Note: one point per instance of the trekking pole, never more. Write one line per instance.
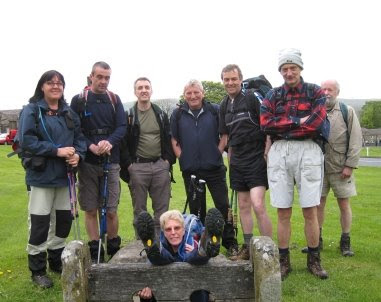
(200, 188)
(73, 202)
(103, 216)
(235, 214)
(230, 208)
(193, 178)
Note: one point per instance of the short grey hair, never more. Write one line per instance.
(194, 83)
(171, 215)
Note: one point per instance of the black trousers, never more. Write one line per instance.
(215, 180)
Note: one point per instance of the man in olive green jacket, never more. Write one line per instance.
(341, 157)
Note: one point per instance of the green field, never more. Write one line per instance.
(371, 151)
(351, 279)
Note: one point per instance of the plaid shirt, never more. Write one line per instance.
(283, 107)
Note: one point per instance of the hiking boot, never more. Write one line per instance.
(94, 246)
(345, 246)
(211, 237)
(42, 280)
(285, 265)
(54, 260)
(232, 251)
(313, 265)
(145, 227)
(113, 246)
(305, 249)
(243, 253)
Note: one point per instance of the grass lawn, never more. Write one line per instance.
(371, 151)
(350, 279)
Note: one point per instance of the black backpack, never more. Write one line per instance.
(259, 84)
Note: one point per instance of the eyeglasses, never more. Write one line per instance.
(52, 84)
(176, 229)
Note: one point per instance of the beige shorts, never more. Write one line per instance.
(342, 188)
(295, 162)
(90, 188)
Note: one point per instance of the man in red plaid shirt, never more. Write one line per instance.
(294, 115)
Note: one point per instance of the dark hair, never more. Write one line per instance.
(47, 76)
(141, 79)
(231, 67)
(100, 64)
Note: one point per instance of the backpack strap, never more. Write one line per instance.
(344, 113)
(83, 95)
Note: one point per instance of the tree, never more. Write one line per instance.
(167, 105)
(370, 117)
(214, 91)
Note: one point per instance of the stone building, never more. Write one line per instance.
(9, 120)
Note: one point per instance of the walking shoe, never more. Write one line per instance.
(211, 237)
(232, 251)
(54, 260)
(345, 246)
(305, 249)
(94, 247)
(113, 246)
(285, 265)
(145, 228)
(42, 280)
(314, 266)
(243, 253)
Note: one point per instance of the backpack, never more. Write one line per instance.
(82, 101)
(344, 112)
(193, 226)
(26, 156)
(259, 86)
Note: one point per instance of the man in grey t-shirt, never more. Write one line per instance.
(149, 154)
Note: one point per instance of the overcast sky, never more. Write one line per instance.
(171, 42)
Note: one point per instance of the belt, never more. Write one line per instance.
(98, 132)
(143, 160)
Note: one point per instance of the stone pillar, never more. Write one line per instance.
(76, 263)
(265, 258)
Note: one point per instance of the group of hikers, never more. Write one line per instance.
(297, 134)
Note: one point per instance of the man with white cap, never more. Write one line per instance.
(294, 115)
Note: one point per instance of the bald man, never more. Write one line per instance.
(341, 157)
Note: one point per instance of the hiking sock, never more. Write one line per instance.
(247, 238)
(313, 249)
(284, 251)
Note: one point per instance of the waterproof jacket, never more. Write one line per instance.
(344, 145)
(198, 137)
(101, 120)
(130, 142)
(42, 135)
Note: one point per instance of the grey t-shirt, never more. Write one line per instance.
(149, 138)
